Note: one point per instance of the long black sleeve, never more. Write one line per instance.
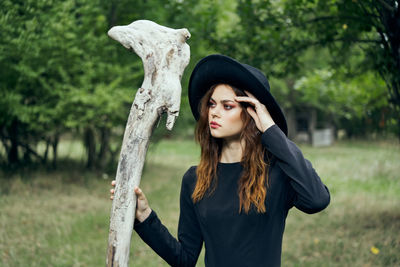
(184, 251)
(308, 193)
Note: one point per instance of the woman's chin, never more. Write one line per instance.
(216, 133)
(220, 135)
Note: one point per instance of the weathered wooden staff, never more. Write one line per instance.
(165, 54)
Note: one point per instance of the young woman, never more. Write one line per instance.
(249, 176)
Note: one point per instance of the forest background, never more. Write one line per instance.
(61, 75)
(66, 88)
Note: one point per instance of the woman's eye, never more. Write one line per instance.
(228, 107)
(211, 104)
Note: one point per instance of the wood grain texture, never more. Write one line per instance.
(165, 55)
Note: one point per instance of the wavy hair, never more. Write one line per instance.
(253, 183)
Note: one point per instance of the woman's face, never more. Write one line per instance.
(224, 113)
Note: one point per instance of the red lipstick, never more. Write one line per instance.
(214, 125)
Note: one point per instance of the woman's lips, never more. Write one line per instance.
(214, 125)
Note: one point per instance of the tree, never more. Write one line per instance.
(26, 94)
(361, 36)
(346, 26)
(58, 75)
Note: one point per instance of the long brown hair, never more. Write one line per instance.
(254, 180)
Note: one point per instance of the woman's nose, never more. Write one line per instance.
(215, 112)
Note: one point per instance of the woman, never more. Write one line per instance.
(249, 176)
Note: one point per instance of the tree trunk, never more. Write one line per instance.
(55, 146)
(312, 125)
(13, 153)
(165, 55)
(46, 152)
(291, 122)
(390, 37)
(4, 142)
(27, 156)
(104, 147)
(395, 100)
(90, 145)
(130, 166)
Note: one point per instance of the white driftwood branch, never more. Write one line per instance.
(165, 54)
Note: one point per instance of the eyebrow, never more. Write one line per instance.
(223, 101)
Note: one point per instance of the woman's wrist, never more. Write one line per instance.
(144, 215)
(267, 126)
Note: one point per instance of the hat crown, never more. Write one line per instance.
(259, 75)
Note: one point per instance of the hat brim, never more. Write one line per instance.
(216, 69)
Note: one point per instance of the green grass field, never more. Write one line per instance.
(61, 218)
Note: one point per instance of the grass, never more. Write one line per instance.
(61, 218)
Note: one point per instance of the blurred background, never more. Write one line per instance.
(66, 90)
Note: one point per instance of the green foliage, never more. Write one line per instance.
(62, 74)
(362, 36)
(320, 89)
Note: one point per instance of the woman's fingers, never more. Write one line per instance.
(246, 99)
(142, 209)
(252, 101)
(252, 113)
(259, 113)
(252, 98)
(112, 191)
(139, 193)
(250, 94)
(255, 117)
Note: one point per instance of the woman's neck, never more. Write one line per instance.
(232, 151)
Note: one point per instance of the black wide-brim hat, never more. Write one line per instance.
(215, 69)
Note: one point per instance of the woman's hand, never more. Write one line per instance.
(258, 112)
(143, 209)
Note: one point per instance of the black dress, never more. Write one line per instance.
(232, 238)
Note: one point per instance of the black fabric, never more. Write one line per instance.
(233, 239)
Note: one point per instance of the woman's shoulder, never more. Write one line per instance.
(190, 174)
(189, 178)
